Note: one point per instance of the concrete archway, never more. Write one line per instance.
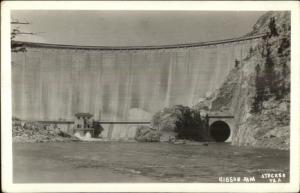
(219, 131)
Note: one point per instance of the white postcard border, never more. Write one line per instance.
(6, 110)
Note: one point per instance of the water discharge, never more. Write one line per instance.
(86, 137)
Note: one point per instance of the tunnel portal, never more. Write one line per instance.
(219, 131)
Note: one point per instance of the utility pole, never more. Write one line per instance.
(17, 47)
(16, 31)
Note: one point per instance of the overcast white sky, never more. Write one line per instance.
(123, 28)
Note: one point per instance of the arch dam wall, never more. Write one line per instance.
(52, 82)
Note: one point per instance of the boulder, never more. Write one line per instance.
(147, 134)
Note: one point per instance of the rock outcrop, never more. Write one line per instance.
(180, 122)
(265, 124)
(147, 134)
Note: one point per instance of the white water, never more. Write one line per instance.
(86, 137)
(52, 84)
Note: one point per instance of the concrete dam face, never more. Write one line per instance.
(54, 83)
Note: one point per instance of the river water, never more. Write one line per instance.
(97, 162)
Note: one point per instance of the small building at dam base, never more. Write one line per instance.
(83, 124)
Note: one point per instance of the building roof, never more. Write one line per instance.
(89, 115)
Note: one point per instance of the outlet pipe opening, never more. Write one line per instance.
(219, 131)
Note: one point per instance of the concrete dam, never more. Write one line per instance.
(53, 82)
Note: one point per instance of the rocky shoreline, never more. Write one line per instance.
(33, 132)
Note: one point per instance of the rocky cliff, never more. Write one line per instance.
(257, 91)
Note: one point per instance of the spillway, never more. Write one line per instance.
(52, 83)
